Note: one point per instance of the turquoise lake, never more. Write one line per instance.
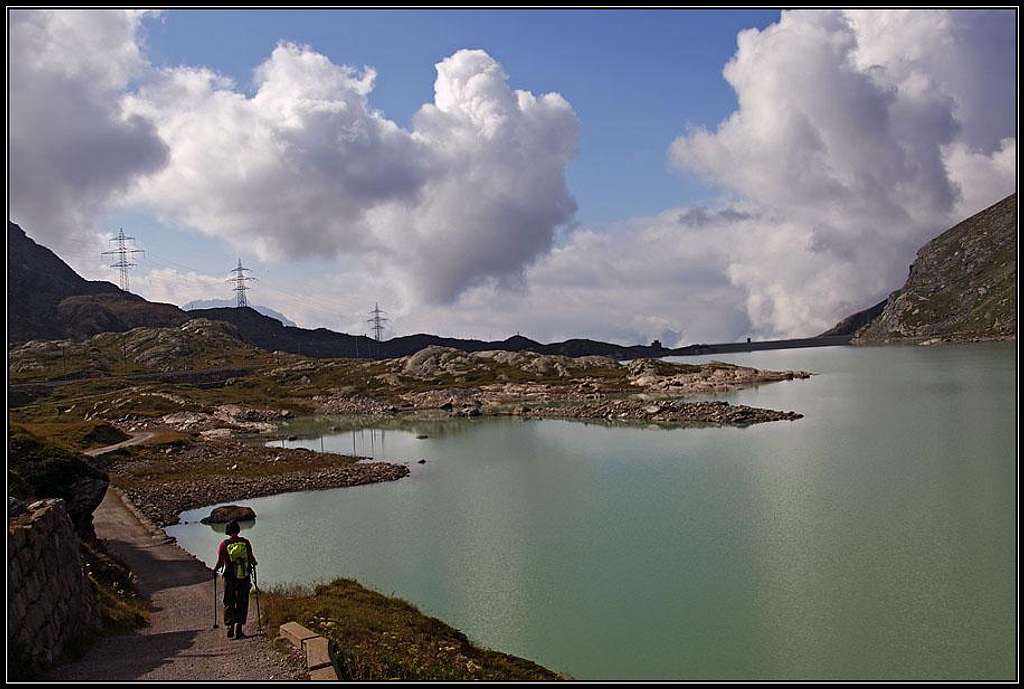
(874, 538)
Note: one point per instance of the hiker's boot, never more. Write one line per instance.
(231, 631)
(239, 634)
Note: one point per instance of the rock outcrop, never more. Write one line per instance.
(50, 601)
(961, 287)
(36, 469)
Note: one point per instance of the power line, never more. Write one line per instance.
(123, 253)
(240, 286)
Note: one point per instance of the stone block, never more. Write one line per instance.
(324, 674)
(295, 634)
(317, 655)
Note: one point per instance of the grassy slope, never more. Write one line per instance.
(72, 434)
(39, 469)
(383, 638)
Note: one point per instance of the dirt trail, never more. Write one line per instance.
(136, 439)
(179, 643)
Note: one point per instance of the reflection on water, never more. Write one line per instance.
(874, 538)
(243, 526)
(351, 436)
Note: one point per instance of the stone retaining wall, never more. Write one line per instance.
(50, 601)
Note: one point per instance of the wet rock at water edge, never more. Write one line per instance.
(229, 513)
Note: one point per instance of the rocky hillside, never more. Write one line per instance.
(961, 287)
(194, 345)
(48, 300)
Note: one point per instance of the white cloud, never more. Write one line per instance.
(661, 277)
(305, 167)
(71, 146)
(983, 178)
(172, 286)
(865, 133)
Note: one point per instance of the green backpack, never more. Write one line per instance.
(238, 556)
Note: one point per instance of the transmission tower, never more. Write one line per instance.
(377, 322)
(240, 281)
(124, 253)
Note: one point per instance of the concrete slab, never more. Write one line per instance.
(295, 634)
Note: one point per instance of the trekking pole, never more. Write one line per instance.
(256, 585)
(215, 626)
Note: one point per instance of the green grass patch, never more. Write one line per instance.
(39, 469)
(73, 434)
(377, 637)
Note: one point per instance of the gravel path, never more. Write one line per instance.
(179, 643)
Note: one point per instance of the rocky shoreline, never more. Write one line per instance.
(718, 413)
(163, 504)
(954, 339)
(163, 482)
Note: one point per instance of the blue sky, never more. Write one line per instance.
(669, 60)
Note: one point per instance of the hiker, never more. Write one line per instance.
(236, 560)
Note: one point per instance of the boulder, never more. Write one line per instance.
(229, 513)
(36, 469)
(15, 507)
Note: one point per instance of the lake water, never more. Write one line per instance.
(874, 538)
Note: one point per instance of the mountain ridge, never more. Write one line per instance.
(48, 300)
(197, 304)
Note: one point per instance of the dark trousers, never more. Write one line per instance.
(236, 600)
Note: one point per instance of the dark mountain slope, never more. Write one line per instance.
(271, 334)
(230, 303)
(851, 324)
(48, 300)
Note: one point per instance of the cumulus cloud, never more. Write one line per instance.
(72, 147)
(861, 135)
(306, 167)
(858, 136)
